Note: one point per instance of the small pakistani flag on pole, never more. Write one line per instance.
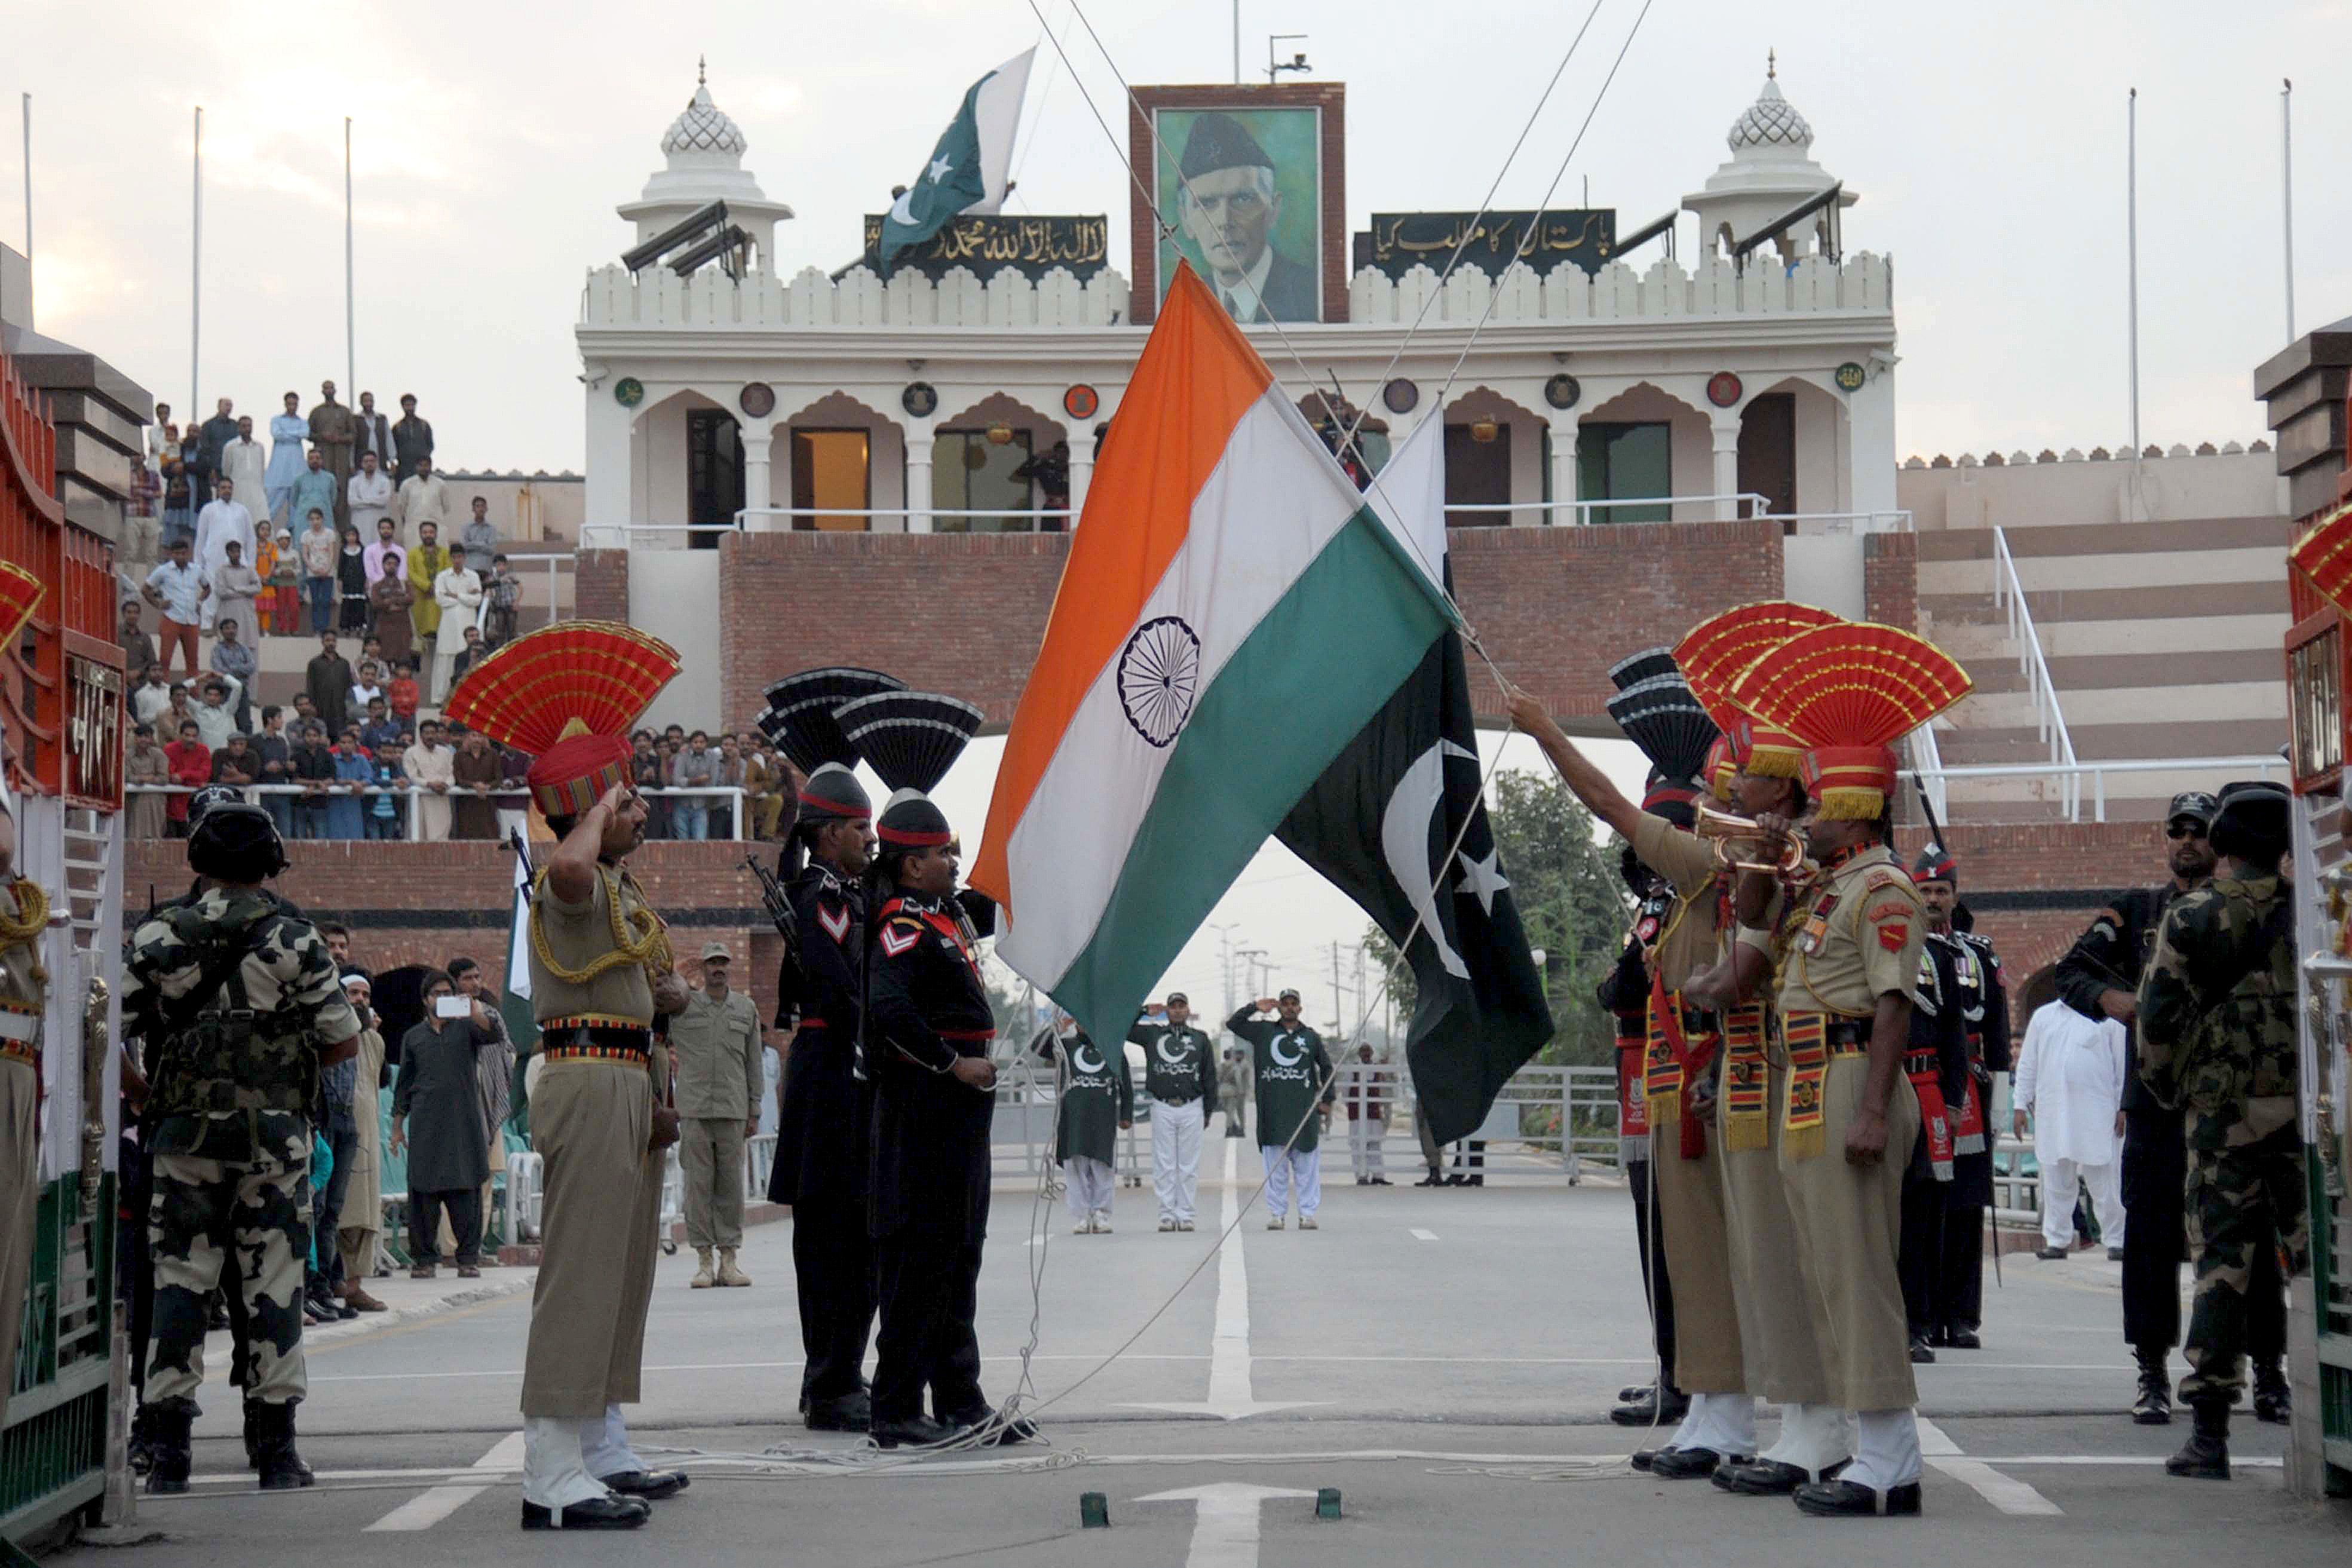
(967, 168)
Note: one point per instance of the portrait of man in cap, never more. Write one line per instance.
(1243, 187)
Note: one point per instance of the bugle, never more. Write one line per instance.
(1740, 843)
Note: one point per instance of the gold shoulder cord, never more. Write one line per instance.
(32, 918)
(649, 946)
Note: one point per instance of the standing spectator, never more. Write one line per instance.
(502, 592)
(197, 457)
(289, 580)
(287, 460)
(476, 770)
(148, 765)
(276, 755)
(338, 1129)
(404, 694)
(179, 521)
(1365, 1091)
(191, 767)
(237, 587)
(359, 1216)
(649, 772)
(385, 555)
(718, 1077)
(216, 717)
(430, 767)
(382, 729)
(177, 588)
(389, 597)
(354, 787)
(457, 598)
(152, 699)
(764, 792)
(351, 584)
(234, 657)
(369, 494)
(333, 431)
(468, 656)
(2070, 1076)
(314, 769)
(265, 571)
(426, 563)
(234, 765)
(246, 463)
(142, 529)
(389, 804)
(367, 688)
(319, 550)
(412, 439)
(218, 432)
(493, 1068)
(513, 802)
(1234, 1092)
(221, 523)
(160, 436)
(328, 683)
(726, 773)
(138, 648)
(371, 436)
(425, 496)
(480, 540)
(693, 768)
(437, 1114)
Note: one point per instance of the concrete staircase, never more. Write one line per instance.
(2163, 640)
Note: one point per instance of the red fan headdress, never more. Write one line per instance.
(1849, 692)
(567, 693)
(1718, 651)
(2323, 554)
(20, 594)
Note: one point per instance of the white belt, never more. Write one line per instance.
(19, 1026)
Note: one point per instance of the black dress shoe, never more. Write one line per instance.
(1644, 1407)
(851, 1412)
(650, 1485)
(1768, 1478)
(2051, 1254)
(1961, 1336)
(1920, 1354)
(1000, 1435)
(1643, 1458)
(1839, 1499)
(1690, 1464)
(596, 1513)
(915, 1432)
(1432, 1179)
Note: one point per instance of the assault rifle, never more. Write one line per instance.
(778, 905)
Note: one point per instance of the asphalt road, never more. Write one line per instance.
(1443, 1358)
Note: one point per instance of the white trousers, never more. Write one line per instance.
(1812, 1437)
(554, 1468)
(605, 1446)
(1365, 1155)
(2060, 1179)
(1091, 1183)
(1723, 1422)
(1176, 1157)
(1301, 1169)
(1888, 1454)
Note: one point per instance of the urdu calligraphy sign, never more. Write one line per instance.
(1399, 242)
(984, 244)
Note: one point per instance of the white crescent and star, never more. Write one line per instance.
(1169, 1058)
(1293, 1059)
(1078, 1059)
(1404, 841)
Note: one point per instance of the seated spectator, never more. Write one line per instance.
(216, 717)
(386, 807)
(354, 781)
(314, 769)
(146, 764)
(437, 1114)
(191, 767)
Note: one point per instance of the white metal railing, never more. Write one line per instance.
(1757, 506)
(2051, 719)
(733, 795)
(2262, 766)
(1897, 521)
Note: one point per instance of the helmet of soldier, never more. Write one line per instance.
(236, 842)
(209, 796)
(2251, 822)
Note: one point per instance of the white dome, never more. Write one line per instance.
(704, 128)
(1770, 121)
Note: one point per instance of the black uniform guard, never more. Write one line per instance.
(929, 1026)
(1624, 992)
(2102, 969)
(822, 1126)
(1936, 1061)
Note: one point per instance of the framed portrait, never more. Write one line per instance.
(1252, 186)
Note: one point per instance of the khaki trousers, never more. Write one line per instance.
(1849, 1225)
(1707, 1351)
(601, 1197)
(359, 1253)
(20, 1198)
(710, 1156)
(1782, 1358)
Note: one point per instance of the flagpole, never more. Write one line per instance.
(351, 307)
(197, 273)
(2131, 250)
(2286, 190)
(1237, 42)
(29, 186)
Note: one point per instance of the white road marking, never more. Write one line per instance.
(1224, 1533)
(429, 1508)
(2006, 1493)
(1230, 1395)
(1424, 1235)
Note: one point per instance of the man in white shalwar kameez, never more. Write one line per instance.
(224, 519)
(2071, 1077)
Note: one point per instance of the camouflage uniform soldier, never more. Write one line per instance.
(240, 1005)
(2217, 1036)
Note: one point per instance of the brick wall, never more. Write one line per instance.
(1890, 580)
(2035, 888)
(602, 590)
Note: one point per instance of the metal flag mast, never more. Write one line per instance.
(197, 273)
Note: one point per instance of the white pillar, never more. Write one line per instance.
(1563, 475)
(919, 442)
(606, 511)
(1082, 474)
(1870, 444)
(1725, 426)
(758, 491)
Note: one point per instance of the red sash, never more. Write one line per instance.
(1632, 1089)
(1747, 1085)
(1934, 1119)
(1675, 1062)
(1968, 1123)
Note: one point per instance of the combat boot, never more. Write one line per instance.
(703, 1277)
(2205, 1455)
(273, 1427)
(168, 1426)
(729, 1274)
(2272, 1404)
(2153, 1407)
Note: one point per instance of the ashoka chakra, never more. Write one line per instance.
(1159, 677)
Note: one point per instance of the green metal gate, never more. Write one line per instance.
(53, 1449)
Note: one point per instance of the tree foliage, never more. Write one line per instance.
(1570, 901)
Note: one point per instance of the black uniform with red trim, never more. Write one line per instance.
(1625, 993)
(1937, 1061)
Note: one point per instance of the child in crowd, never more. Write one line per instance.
(385, 806)
(403, 692)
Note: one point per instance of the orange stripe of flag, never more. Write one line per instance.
(1197, 377)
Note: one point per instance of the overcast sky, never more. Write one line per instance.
(491, 143)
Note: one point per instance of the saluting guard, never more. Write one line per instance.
(1179, 1074)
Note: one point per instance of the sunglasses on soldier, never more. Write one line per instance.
(2185, 828)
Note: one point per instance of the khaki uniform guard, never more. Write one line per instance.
(716, 1051)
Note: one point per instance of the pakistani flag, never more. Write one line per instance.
(967, 168)
(514, 997)
(1382, 825)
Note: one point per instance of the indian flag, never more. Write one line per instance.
(1232, 613)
